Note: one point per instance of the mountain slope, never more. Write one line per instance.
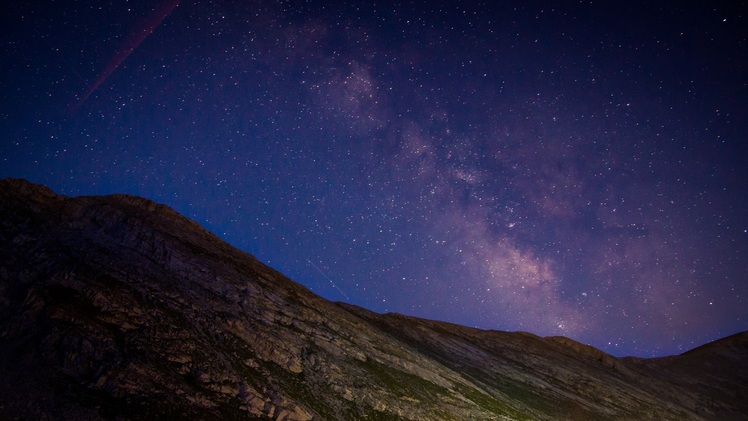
(116, 307)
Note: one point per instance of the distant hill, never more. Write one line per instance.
(119, 308)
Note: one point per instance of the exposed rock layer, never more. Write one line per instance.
(119, 308)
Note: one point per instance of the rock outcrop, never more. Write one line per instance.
(116, 307)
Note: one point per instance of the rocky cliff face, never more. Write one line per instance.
(119, 308)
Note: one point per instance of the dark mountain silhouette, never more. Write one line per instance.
(119, 308)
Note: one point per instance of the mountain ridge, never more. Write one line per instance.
(116, 307)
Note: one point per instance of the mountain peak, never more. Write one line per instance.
(22, 186)
(115, 307)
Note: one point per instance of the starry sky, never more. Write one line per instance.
(573, 168)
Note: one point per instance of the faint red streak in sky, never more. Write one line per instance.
(147, 26)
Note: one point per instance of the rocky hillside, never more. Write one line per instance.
(119, 308)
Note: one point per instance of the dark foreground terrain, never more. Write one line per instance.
(116, 307)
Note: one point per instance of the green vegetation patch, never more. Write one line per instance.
(489, 403)
(404, 384)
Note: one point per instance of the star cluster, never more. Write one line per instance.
(573, 168)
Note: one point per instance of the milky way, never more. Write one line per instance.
(575, 170)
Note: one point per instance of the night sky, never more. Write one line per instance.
(563, 168)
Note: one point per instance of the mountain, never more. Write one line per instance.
(116, 307)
